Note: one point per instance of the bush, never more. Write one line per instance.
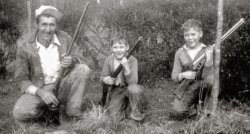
(159, 23)
(9, 33)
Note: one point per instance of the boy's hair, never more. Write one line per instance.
(191, 23)
(118, 38)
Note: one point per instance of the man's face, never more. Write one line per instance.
(46, 28)
(192, 37)
(119, 50)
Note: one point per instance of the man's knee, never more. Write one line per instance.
(26, 108)
(23, 114)
(135, 88)
(83, 69)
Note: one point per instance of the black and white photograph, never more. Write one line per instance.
(124, 67)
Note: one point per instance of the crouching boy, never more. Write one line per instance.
(195, 86)
(126, 94)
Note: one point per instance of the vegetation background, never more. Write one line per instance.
(159, 22)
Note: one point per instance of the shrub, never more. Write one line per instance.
(159, 23)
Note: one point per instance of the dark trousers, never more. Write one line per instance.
(126, 100)
(188, 104)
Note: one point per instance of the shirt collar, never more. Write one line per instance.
(55, 40)
(185, 46)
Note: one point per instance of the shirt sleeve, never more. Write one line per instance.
(22, 72)
(105, 70)
(31, 89)
(177, 68)
(132, 78)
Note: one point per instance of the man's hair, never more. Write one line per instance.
(44, 15)
(118, 38)
(192, 23)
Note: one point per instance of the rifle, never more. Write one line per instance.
(108, 88)
(52, 109)
(198, 64)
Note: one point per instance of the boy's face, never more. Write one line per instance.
(192, 37)
(119, 50)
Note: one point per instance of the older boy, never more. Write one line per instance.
(183, 69)
(40, 57)
(126, 91)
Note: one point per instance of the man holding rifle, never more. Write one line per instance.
(40, 57)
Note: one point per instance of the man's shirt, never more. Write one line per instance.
(49, 58)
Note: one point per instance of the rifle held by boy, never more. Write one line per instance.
(199, 63)
(108, 88)
(53, 110)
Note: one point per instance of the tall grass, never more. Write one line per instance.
(95, 121)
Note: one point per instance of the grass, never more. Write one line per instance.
(229, 118)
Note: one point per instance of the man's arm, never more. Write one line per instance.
(22, 70)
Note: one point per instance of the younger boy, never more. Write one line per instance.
(126, 93)
(185, 103)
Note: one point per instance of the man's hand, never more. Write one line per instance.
(125, 65)
(188, 75)
(66, 61)
(109, 80)
(47, 96)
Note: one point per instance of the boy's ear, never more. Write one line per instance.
(201, 34)
(127, 47)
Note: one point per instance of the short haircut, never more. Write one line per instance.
(118, 38)
(192, 23)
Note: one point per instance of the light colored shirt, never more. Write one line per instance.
(193, 52)
(49, 58)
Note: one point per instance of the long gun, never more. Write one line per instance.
(108, 88)
(199, 63)
(53, 110)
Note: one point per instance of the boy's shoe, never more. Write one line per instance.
(137, 117)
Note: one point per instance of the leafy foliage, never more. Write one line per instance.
(9, 33)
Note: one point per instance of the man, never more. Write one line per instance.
(40, 57)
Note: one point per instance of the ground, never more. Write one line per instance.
(230, 118)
